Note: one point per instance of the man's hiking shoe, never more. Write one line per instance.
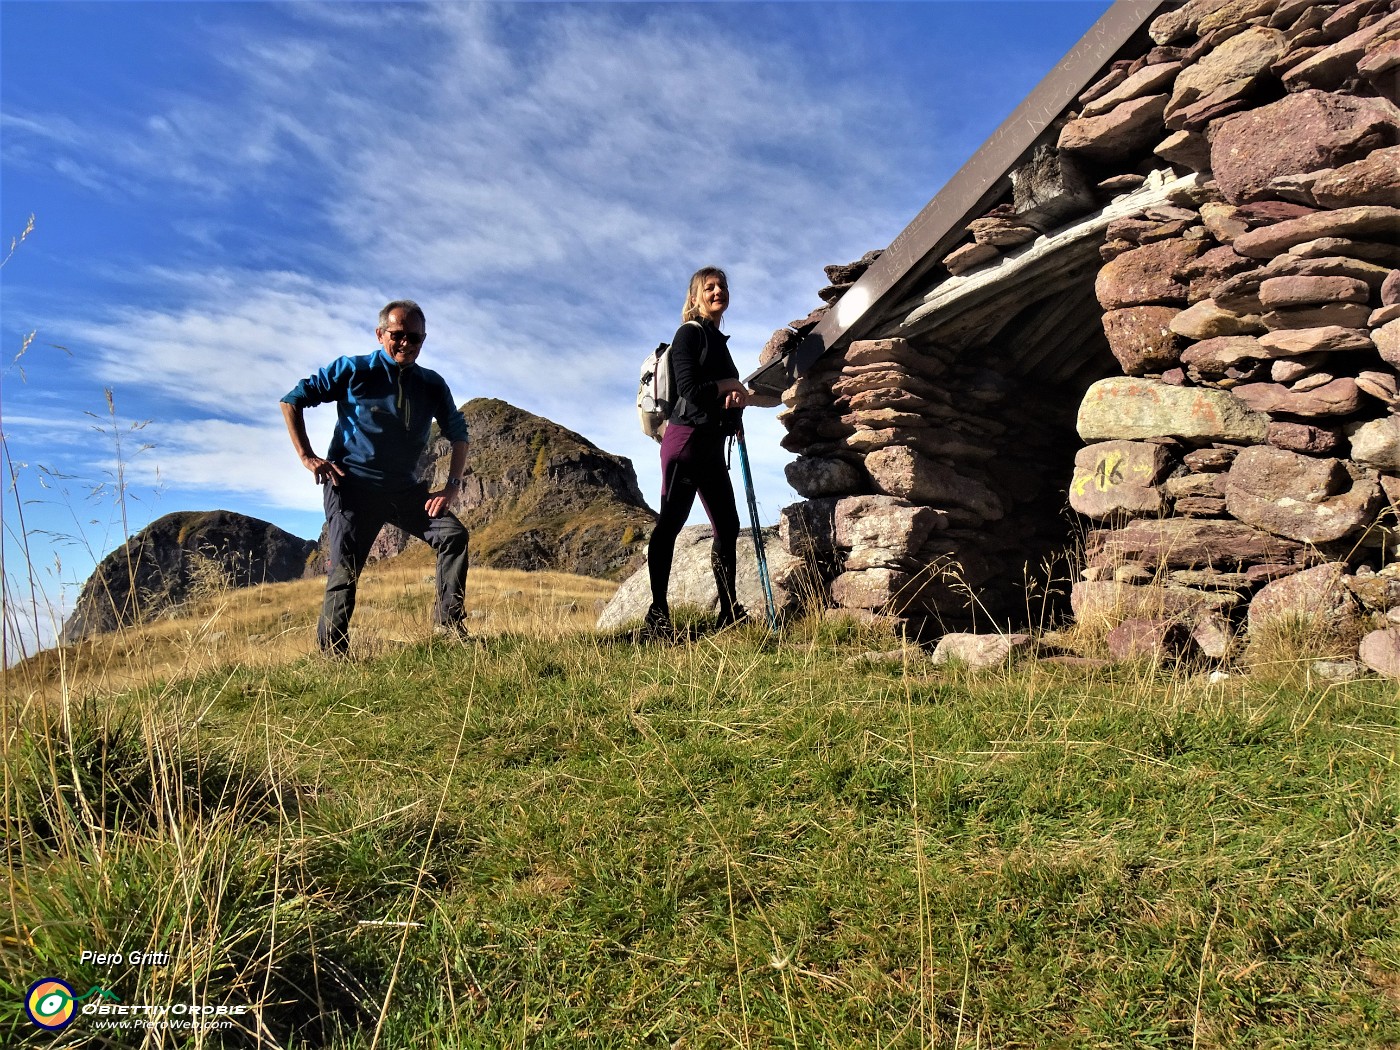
(453, 632)
(729, 617)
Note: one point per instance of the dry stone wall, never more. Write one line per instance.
(1238, 174)
(926, 496)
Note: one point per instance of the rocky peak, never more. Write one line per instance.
(540, 497)
(179, 558)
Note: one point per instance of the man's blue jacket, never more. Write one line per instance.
(384, 414)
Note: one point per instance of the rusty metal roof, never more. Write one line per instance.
(940, 225)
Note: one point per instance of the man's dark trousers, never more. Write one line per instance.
(355, 512)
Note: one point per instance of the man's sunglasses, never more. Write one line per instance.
(398, 335)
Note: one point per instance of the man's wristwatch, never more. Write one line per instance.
(454, 483)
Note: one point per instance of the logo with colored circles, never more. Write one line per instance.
(50, 1003)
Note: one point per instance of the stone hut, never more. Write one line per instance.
(1155, 319)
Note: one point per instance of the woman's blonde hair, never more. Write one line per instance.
(692, 311)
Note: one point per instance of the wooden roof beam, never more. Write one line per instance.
(936, 228)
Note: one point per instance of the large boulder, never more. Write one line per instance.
(896, 351)
(693, 580)
(1224, 78)
(1149, 80)
(979, 652)
(1108, 602)
(1336, 397)
(1181, 23)
(1297, 290)
(891, 375)
(1339, 62)
(1153, 273)
(182, 557)
(1368, 223)
(1304, 437)
(1378, 592)
(1141, 338)
(1390, 288)
(1128, 128)
(1148, 639)
(1215, 356)
(849, 273)
(880, 589)
(1219, 21)
(1208, 320)
(1185, 543)
(1330, 266)
(899, 470)
(1374, 179)
(883, 530)
(1330, 339)
(816, 476)
(1377, 444)
(1380, 651)
(1343, 315)
(1387, 340)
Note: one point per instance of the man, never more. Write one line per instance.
(385, 403)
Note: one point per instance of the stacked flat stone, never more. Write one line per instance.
(916, 493)
(843, 275)
(1252, 308)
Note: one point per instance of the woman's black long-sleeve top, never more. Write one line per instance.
(699, 360)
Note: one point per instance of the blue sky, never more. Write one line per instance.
(225, 193)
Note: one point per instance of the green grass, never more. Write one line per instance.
(725, 843)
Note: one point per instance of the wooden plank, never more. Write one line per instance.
(1064, 248)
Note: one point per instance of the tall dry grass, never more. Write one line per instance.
(273, 624)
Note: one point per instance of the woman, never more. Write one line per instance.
(709, 401)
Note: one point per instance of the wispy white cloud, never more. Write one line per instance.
(246, 459)
(51, 128)
(61, 428)
(542, 178)
(239, 344)
(609, 144)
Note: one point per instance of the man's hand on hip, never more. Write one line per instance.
(323, 470)
(439, 501)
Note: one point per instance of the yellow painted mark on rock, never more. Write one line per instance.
(1111, 471)
(1106, 474)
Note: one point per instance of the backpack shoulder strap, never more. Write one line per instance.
(704, 339)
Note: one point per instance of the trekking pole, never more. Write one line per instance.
(769, 605)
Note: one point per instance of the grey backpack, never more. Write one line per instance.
(656, 390)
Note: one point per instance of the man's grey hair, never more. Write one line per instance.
(408, 306)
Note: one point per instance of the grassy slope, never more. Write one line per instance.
(273, 624)
(736, 843)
